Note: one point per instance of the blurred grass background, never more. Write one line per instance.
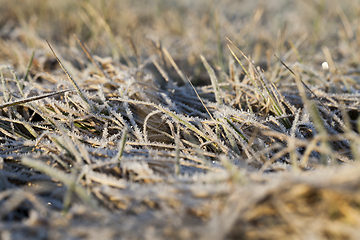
(188, 28)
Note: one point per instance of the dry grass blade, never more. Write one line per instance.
(121, 145)
(177, 154)
(29, 66)
(3, 84)
(84, 98)
(202, 102)
(88, 54)
(62, 177)
(106, 180)
(175, 66)
(299, 78)
(18, 84)
(214, 80)
(134, 48)
(31, 99)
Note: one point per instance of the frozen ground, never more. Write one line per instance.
(175, 120)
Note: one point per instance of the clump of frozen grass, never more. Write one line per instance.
(173, 121)
(124, 128)
(245, 137)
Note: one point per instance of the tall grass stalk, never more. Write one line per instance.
(121, 145)
(79, 91)
(214, 80)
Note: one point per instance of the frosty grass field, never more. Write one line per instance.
(179, 119)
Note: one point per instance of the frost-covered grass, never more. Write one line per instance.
(179, 120)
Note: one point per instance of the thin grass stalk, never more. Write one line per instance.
(303, 83)
(293, 47)
(247, 73)
(5, 92)
(101, 22)
(69, 191)
(293, 155)
(134, 48)
(18, 84)
(177, 153)
(231, 140)
(81, 94)
(7, 131)
(29, 66)
(31, 99)
(202, 102)
(90, 57)
(237, 130)
(175, 66)
(121, 145)
(26, 125)
(214, 81)
(218, 40)
(66, 179)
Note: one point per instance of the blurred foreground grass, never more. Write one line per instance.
(159, 127)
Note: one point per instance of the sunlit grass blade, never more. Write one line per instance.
(29, 66)
(90, 57)
(175, 66)
(31, 99)
(121, 145)
(4, 89)
(81, 94)
(214, 80)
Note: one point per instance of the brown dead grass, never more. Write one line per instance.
(56, 182)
